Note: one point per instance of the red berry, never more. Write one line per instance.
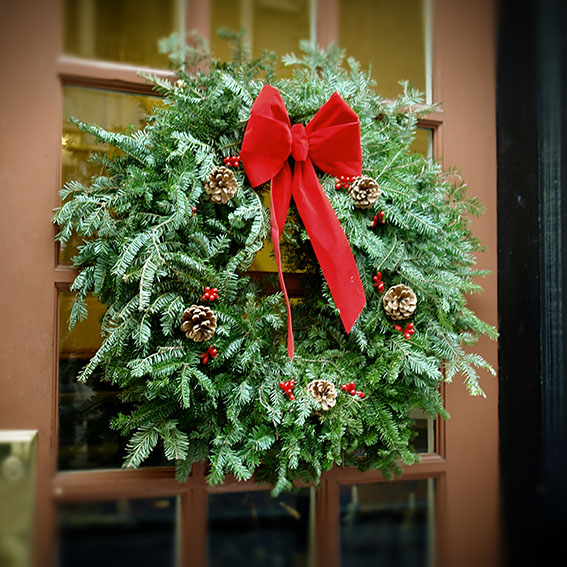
(407, 335)
(361, 395)
(379, 275)
(381, 287)
(409, 326)
(204, 358)
(344, 387)
(291, 397)
(398, 328)
(347, 185)
(338, 185)
(342, 177)
(373, 224)
(282, 385)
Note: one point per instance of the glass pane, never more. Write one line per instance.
(253, 529)
(111, 110)
(424, 426)
(86, 440)
(117, 533)
(390, 36)
(387, 524)
(120, 30)
(275, 25)
(423, 142)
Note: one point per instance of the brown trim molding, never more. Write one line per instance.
(113, 76)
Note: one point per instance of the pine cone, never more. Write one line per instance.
(400, 302)
(198, 323)
(323, 392)
(222, 185)
(365, 192)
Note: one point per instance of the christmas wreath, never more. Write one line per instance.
(376, 234)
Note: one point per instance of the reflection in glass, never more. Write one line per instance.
(423, 142)
(253, 529)
(387, 524)
(113, 111)
(424, 426)
(125, 31)
(275, 25)
(86, 440)
(117, 533)
(391, 37)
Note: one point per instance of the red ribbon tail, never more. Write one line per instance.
(280, 195)
(330, 243)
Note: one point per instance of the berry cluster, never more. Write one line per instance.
(378, 283)
(379, 218)
(231, 161)
(287, 387)
(408, 331)
(344, 181)
(210, 294)
(211, 352)
(351, 389)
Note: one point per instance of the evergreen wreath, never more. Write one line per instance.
(196, 345)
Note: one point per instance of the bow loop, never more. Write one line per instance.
(331, 141)
(334, 138)
(268, 116)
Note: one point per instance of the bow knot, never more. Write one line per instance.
(331, 141)
(299, 143)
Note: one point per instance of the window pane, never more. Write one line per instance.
(276, 25)
(253, 529)
(387, 524)
(388, 35)
(111, 110)
(117, 533)
(86, 440)
(120, 30)
(423, 142)
(424, 441)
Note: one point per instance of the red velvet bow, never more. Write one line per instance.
(331, 141)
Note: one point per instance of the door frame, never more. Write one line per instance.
(465, 465)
